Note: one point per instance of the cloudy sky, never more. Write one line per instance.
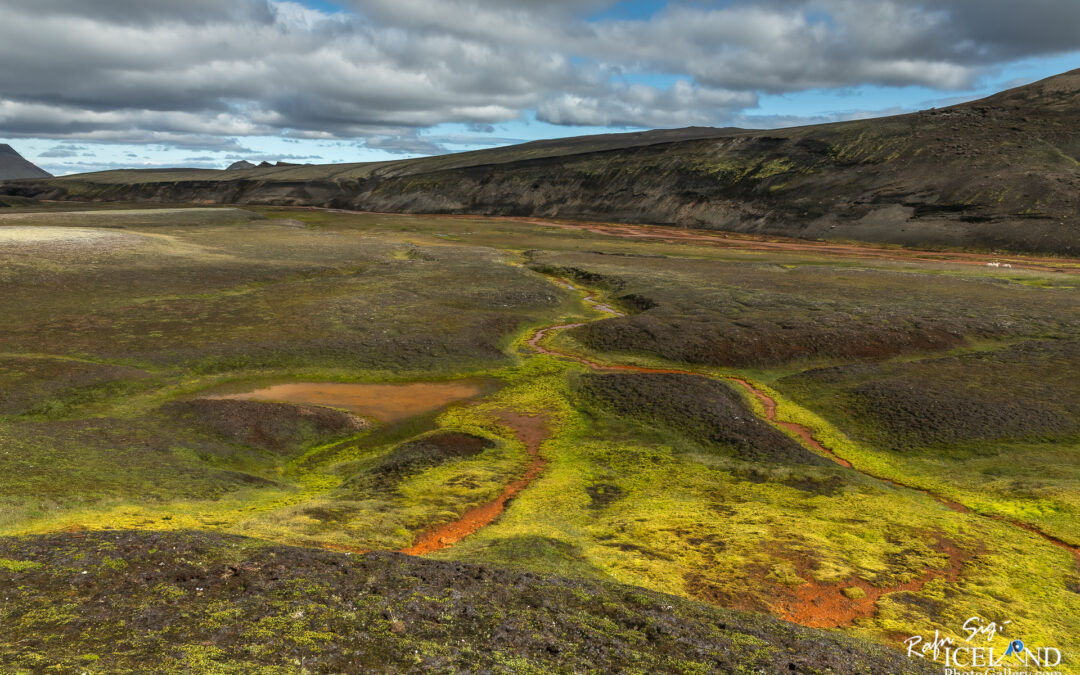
(89, 85)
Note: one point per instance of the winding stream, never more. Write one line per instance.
(817, 605)
(531, 430)
(769, 404)
(812, 604)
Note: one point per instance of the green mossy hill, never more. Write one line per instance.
(122, 602)
(414, 456)
(704, 409)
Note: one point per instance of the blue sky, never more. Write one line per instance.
(147, 83)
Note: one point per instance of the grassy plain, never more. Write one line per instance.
(954, 379)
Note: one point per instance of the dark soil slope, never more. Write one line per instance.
(421, 453)
(705, 409)
(1018, 393)
(272, 426)
(121, 602)
(14, 166)
(1003, 172)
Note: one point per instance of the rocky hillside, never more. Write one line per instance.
(1003, 172)
(14, 166)
(121, 602)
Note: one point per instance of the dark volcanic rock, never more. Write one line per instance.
(241, 165)
(200, 602)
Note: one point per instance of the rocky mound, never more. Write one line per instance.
(1018, 392)
(272, 426)
(198, 602)
(704, 409)
(240, 166)
(14, 166)
(419, 454)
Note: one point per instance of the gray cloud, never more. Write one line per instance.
(66, 168)
(150, 12)
(270, 158)
(404, 144)
(681, 105)
(201, 73)
(63, 151)
(982, 30)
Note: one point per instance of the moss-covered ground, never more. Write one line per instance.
(183, 602)
(953, 379)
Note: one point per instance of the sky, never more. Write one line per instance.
(107, 84)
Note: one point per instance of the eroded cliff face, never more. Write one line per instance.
(999, 173)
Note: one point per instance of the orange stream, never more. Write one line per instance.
(804, 433)
(811, 604)
(531, 430)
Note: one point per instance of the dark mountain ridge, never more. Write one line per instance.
(999, 173)
(14, 166)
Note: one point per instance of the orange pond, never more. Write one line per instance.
(383, 402)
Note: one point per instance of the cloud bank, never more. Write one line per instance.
(201, 74)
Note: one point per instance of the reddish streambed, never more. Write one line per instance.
(804, 433)
(818, 605)
(814, 604)
(678, 235)
(395, 402)
(530, 430)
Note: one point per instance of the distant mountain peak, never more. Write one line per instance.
(14, 166)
